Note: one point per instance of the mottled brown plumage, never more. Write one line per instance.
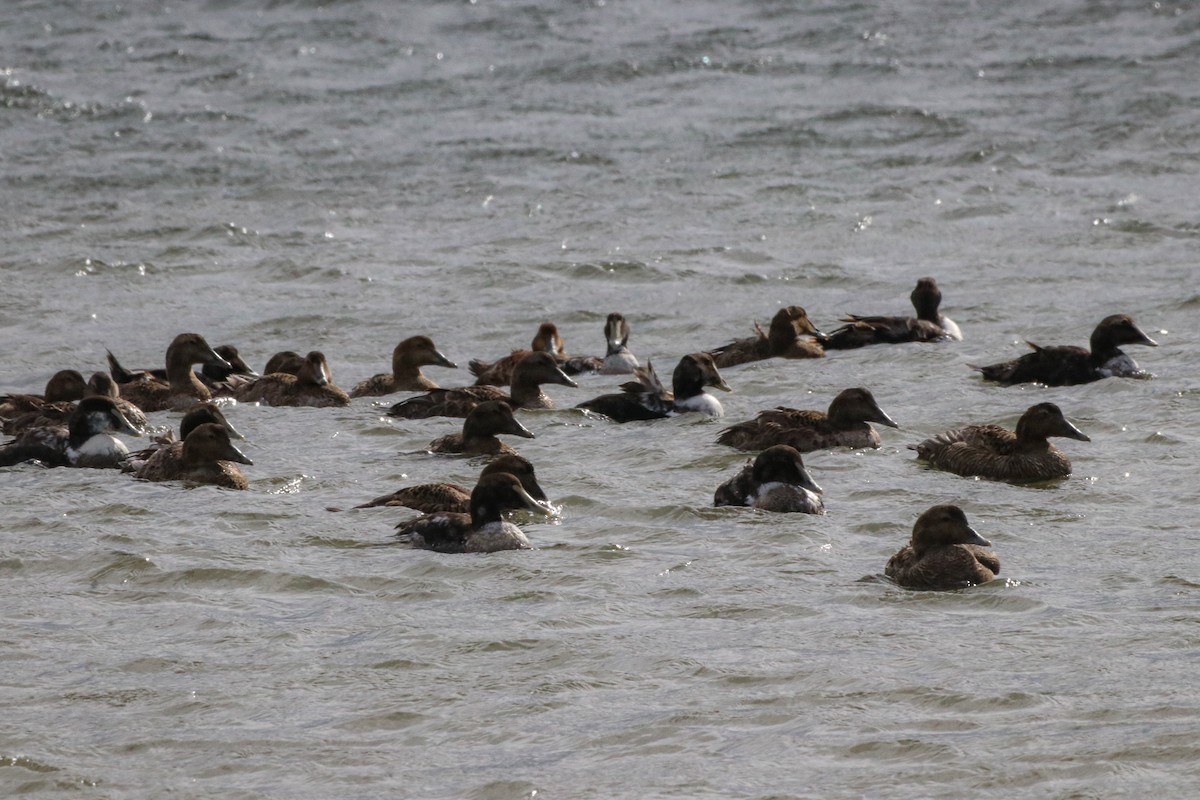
(430, 498)
(533, 370)
(500, 372)
(945, 552)
(990, 451)
(19, 412)
(782, 340)
(196, 416)
(310, 387)
(82, 441)
(182, 388)
(479, 431)
(206, 456)
(407, 359)
(845, 424)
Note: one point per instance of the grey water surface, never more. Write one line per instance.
(341, 175)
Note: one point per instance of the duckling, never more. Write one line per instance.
(430, 498)
(781, 341)
(407, 359)
(775, 481)
(83, 442)
(530, 373)
(205, 456)
(945, 553)
(500, 372)
(195, 417)
(646, 398)
(479, 431)
(618, 360)
(845, 424)
(990, 451)
(482, 530)
(312, 386)
(928, 326)
(182, 388)
(1067, 365)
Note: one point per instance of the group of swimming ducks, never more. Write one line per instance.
(73, 423)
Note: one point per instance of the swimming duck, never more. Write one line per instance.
(500, 372)
(781, 341)
(288, 361)
(64, 386)
(211, 374)
(430, 498)
(21, 411)
(182, 388)
(204, 456)
(845, 424)
(195, 417)
(312, 386)
(57, 413)
(646, 398)
(102, 383)
(407, 359)
(237, 372)
(990, 451)
(83, 442)
(480, 531)
(618, 360)
(928, 326)
(479, 431)
(775, 481)
(530, 373)
(945, 553)
(1067, 365)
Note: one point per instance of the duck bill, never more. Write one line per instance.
(233, 454)
(214, 358)
(717, 382)
(565, 380)
(1069, 431)
(972, 537)
(517, 429)
(125, 426)
(807, 482)
(882, 418)
(233, 432)
(530, 503)
(1146, 340)
(442, 361)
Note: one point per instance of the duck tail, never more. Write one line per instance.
(119, 373)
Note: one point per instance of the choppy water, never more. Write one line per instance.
(340, 176)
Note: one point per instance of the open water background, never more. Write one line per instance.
(339, 176)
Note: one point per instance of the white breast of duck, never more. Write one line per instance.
(1121, 366)
(100, 450)
(704, 403)
(495, 536)
(780, 496)
(694, 372)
